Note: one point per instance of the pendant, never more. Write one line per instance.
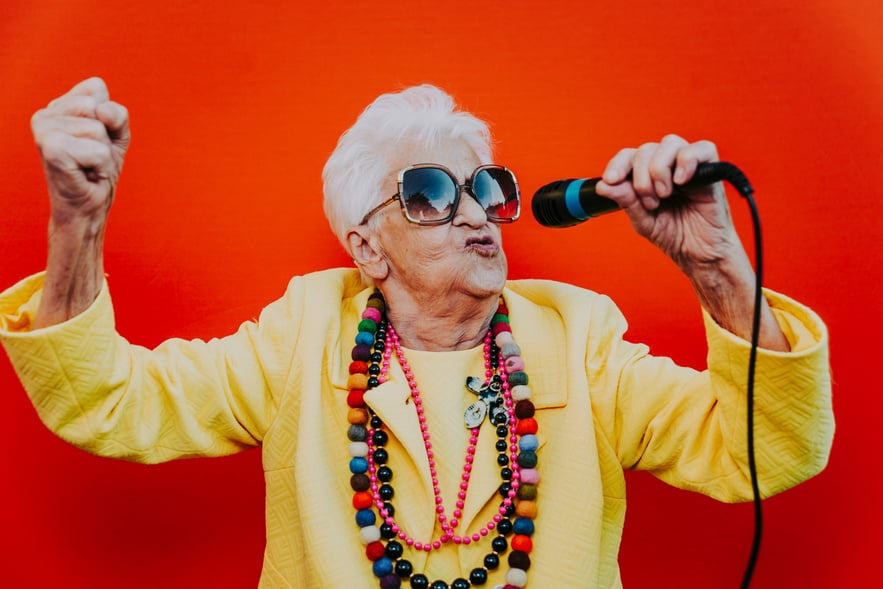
(489, 403)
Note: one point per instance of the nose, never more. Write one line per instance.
(469, 211)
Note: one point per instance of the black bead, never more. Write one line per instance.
(506, 474)
(388, 507)
(380, 345)
(374, 370)
(419, 582)
(479, 576)
(384, 474)
(504, 489)
(381, 456)
(501, 445)
(376, 357)
(404, 568)
(502, 459)
(380, 438)
(505, 527)
(373, 382)
(499, 544)
(509, 510)
(376, 422)
(491, 561)
(519, 560)
(501, 418)
(438, 585)
(460, 584)
(502, 431)
(386, 532)
(386, 492)
(394, 550)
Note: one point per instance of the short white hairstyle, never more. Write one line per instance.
(422, 116)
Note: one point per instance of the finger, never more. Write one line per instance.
(94, 87)
(75, 126)
(641, 178)
(691, 156)
(68, 154)
(661, 162)
(77, 105)
(619, 167)
(115, 118)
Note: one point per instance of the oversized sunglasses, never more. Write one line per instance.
(429, 194)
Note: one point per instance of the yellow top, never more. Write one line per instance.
(604, 405)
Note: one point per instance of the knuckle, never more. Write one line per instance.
(672, 138)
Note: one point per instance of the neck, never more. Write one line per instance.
(454, 322)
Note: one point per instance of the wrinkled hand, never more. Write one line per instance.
(82, 137)
(693, 228)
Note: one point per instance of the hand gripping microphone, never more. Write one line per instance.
(565, 203)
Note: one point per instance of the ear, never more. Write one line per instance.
(367, 253)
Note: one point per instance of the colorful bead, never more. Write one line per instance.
(523, 525)
(509, 349)
(515, 364)
(526, 426)
(516, 577)
(518, 378)
(357, 416)
(521, 392)
(373, 314)
(526, 509)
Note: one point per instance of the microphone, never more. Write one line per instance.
(565, 203)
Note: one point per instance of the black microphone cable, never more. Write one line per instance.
(732, 174)
(744, 188)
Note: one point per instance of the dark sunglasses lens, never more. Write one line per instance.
(497, 191)
(428, 194)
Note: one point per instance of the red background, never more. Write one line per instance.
(235, 107)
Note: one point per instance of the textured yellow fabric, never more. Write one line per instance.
(604, 404)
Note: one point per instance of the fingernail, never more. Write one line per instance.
(661, 188)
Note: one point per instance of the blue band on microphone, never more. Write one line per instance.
(571, 199)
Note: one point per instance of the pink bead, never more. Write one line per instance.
(372, 313)
(530, 476)
(514, 364)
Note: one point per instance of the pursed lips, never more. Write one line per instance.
(483, 244)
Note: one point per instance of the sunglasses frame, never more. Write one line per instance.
(467, 186)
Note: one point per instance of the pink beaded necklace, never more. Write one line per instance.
(504, 396)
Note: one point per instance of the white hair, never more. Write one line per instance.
(422, 116)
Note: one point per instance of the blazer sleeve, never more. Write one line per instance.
(689, 427)
(182, 399)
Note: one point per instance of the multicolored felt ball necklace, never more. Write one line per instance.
(504, 397)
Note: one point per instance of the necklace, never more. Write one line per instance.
(504, 396)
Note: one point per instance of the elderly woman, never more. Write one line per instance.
(424, 422)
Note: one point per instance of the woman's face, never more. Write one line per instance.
(464, 256)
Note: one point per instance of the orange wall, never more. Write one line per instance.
(236, 105)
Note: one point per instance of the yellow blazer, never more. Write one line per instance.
(604, 405)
